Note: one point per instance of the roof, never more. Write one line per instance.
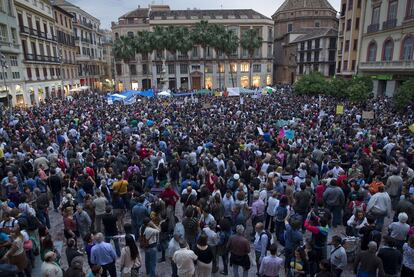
(311, 33)
(201, 14)
(290, 5)
(139, 12)
(62, 10)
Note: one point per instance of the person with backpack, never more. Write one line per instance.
(338, 256)
(148, 241)
(281, 212)
(369, 233)
(261, 243)
(379, 205)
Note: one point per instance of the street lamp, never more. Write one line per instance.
(4, 66)
(61, 72)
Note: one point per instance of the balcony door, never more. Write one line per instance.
(20, 18)
(34, 50)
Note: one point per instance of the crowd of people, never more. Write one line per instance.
(275, 185)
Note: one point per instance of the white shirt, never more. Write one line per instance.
(272, 204)
(151, 234)
(339, 258)
(184, 259)
(380, 202)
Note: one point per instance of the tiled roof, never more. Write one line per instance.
(140, 13)
(212, 14)
(311, 33)
(290, 5)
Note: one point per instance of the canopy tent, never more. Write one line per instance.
(164, 93)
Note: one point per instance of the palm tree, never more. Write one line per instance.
(184, 42)
(173, 33)
(231, 43)
(160, 42)
(250, 40)
(143, 46)
(218, 44)
(202, 35)
(124, 49)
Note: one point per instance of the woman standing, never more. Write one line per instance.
(408, 258)
(16, 254)
(272, 204)
(130, 259)
(298, 266)
(205, 257)
(70, 229)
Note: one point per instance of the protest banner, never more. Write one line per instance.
(339, 109)
(411, 127)
(368, 114)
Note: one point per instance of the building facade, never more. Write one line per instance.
(295, 18)
(187, 70)
(108, 81)
(316, 52)
(387, 44)
(349, 37)
(10, 47)
(67, 51)
(88, 41)
(40, 49)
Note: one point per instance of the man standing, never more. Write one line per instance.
(111, 230)
(239, 248)
(394, 186)
(271, 265)
(139, 212)
(391, 257)
(150, 232)
(83, 222)
(380, 206)
(184, 259)
(100, 204)
(302, 202)
(334, 198)
(367, 263)
(55, 185)
(103, 254)
(338, 257)
(260, 244)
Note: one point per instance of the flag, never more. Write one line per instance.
(411, 127)
(281, 133)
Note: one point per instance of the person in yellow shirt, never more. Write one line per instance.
(121, 187)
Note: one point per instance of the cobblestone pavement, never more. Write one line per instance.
(164, 268)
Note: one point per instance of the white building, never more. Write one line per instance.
(10, 47)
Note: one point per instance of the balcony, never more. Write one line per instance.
(37, 33)
(389, 24)
(85, 40)
(83, 23)
(42, 58)
(387, 65)
(341, 33)
(373, 28)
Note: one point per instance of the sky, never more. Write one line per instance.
(110, 10)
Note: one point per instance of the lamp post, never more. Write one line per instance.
(61, 73)
(4, 66)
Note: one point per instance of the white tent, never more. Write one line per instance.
(84, 87)
(164, 93)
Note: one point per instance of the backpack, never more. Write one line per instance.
(281, 213)
(143, 241)
(269, 238)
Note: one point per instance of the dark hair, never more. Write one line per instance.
(389, 241)
(302, 186)
(128, 228)
(71, 243)
(202, 240)
(133, 249)
(95, 269)
(273, 249)
(370, 219)
(323, 221)
(325, 265)
(146, 221)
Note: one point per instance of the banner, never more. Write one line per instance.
(233, 91)
(368, 114)
(411, 127)
(339, 109)
(290, 134)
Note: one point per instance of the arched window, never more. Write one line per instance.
(372, 52)
(407, 48)
(387, 50)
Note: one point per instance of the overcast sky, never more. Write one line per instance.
(110, 10)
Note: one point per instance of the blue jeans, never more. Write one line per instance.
(43, 217)
(150, 261)
(379, 224)
(116, 244)
(236, 271)
(336, 215)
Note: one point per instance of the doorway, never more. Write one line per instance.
(196, 82)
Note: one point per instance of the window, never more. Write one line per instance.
(159, 68)
(195, 67)
(301, 69)
(244, 67)
(350, 5)
(3, 77)
(387, 50)
(345, 65)
(208, 68)
(221, 68)
(269, 67)
(372, 52)
(316, 56)
(171, 69)
(357, 23)
(317, 43)
(3, 33)
(1, 6)
(309, 44)
(348, 24)
(309, 57)
(375, 15)
(302, 46)
(133, 69)
(353, 65)
(289, 27)
(130, 34)
(407, 48)
(302, 57)
(183, 69)
(257, 68)
(359, 4)
(195, 52)
(346, 45)
(315, 67)
(14, 35)
(233, 67)
(392, 9)
(52, 71)
(13, 61)
(37, 71)
(45, 72)
(118, 69)
(355, 46)
(410, 9)
(16, 75)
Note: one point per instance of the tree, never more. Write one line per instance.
(231, 43)
(250, 40)
(360, 89)
(337, 87)
(143, 46)
(218, 44)
(124, 49)
(184, 42)
(312, 84)
(202, 35)
(404, 96)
